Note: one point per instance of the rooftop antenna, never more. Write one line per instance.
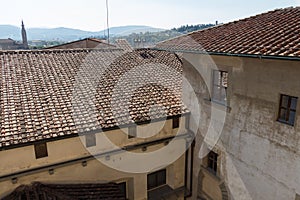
(104, 32)
(107, 16)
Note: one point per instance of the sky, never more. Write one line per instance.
(90, 15)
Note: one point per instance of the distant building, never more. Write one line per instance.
(90, 43)
(124, 44)
(94, 43)
(10, 44)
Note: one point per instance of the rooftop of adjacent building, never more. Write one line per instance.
(43, 191)
(46, 94)
(84, 43)
(275, 33)
(124, 44)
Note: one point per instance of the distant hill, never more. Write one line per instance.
(68, 34)
(8, 31)
(190, 28)
(150, 39)
(127, 30)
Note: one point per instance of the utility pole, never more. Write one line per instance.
(107, 16)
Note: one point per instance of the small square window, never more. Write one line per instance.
(40, 150)
(287, 109)
(90, 140)
(176, 122)
(219, 88)
(212, 162)
(132, 132)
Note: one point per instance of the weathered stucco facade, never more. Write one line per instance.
(70, 161)
(258, 155)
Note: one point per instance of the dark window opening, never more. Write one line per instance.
(90, 140)
(220, 84)
(40, 150)
(123, 188)
(212, 163)
(287, 109)
(176, 122)
(132, 132)
(147, 55)
(156, 179)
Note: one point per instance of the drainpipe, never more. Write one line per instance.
(190, 150)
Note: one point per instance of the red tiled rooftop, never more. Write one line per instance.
(124, 44)
(52, 93)
(84, 43)
(275, 33)
(40, 191)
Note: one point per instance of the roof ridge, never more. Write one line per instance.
(243, 19)
(231, 22)
(257, 30)
(58, 50)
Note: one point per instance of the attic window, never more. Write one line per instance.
(175, 122)
(90, 140)
(132, 132)
(40, 150)
(147, 55)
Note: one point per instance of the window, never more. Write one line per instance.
(132, 133)
(219, 89)
(212, 163)
(156, 179)
(147, 55)
(287, 109)
(176, 122)
(123, 189)
(90, 140)
(40, 150)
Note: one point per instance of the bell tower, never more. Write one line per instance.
(24, 37)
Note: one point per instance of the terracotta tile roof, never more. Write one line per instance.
(275, 33)
(124, 44)
(84, 43)
(52, 93)
(40, 191)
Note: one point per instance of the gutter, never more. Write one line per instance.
(260, 56)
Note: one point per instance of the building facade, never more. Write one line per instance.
(248, 71)
(101, 118)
